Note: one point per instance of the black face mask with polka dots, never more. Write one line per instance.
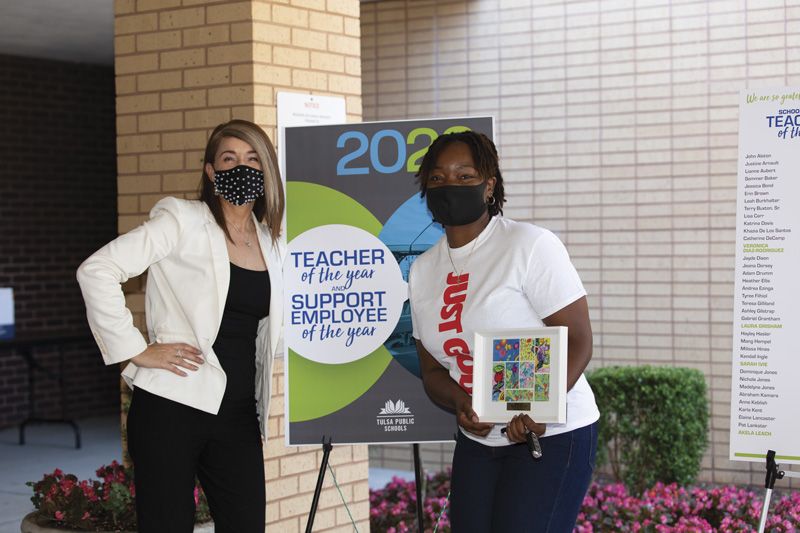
(239, 185)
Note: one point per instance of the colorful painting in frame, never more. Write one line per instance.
(520, 371)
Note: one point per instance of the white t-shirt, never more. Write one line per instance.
(514, 275)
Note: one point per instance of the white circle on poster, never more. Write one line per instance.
(344, 294)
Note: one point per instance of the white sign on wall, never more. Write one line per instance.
(301, 109)
(766, 338)
(6, 313)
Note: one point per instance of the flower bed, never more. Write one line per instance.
(393, 508)
(107, 504)
(609, 508)
(670, 508)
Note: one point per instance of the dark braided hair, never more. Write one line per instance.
(484, 154)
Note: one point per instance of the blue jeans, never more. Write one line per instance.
(500, 489)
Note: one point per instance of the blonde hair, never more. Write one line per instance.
(268, 208)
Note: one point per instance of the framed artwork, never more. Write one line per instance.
(520, 371)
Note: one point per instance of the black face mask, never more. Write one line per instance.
(456, 205)
(239, 185)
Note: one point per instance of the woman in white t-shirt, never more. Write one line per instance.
(489, 272)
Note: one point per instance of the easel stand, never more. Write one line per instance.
(773, 474)
(327, 446)
(326, 452)
(418, 477)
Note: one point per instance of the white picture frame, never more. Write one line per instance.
(534, 374)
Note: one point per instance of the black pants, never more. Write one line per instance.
(171, 443)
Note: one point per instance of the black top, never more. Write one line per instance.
(247, 303)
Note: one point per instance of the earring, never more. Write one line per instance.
(491, 201)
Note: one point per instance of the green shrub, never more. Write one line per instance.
(653, 423)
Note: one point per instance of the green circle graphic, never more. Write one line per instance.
(333, 386)
(310, 205)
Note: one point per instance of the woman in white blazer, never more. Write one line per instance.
(214, 316)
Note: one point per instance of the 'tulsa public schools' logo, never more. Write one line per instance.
(395, 416)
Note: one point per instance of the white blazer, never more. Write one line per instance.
(187, 285)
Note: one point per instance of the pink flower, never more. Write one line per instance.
(66, 485)
(59, 515)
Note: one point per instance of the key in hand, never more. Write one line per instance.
(533, 444)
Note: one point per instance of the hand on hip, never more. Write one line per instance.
(170, 356)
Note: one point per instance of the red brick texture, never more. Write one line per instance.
(57, 205)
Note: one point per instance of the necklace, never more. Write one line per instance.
(466, 263)
(244, 236)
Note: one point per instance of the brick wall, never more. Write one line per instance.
(617, 129)
(182, 68)
(57, 206)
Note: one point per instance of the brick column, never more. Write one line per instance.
(184, 66)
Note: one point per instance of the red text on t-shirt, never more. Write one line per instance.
(455, 294)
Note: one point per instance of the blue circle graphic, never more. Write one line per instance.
(408, 232)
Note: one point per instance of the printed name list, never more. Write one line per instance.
(767, 258)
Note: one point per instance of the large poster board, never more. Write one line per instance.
(766, 337)
(355, 223)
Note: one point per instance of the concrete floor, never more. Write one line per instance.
(51, 446)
